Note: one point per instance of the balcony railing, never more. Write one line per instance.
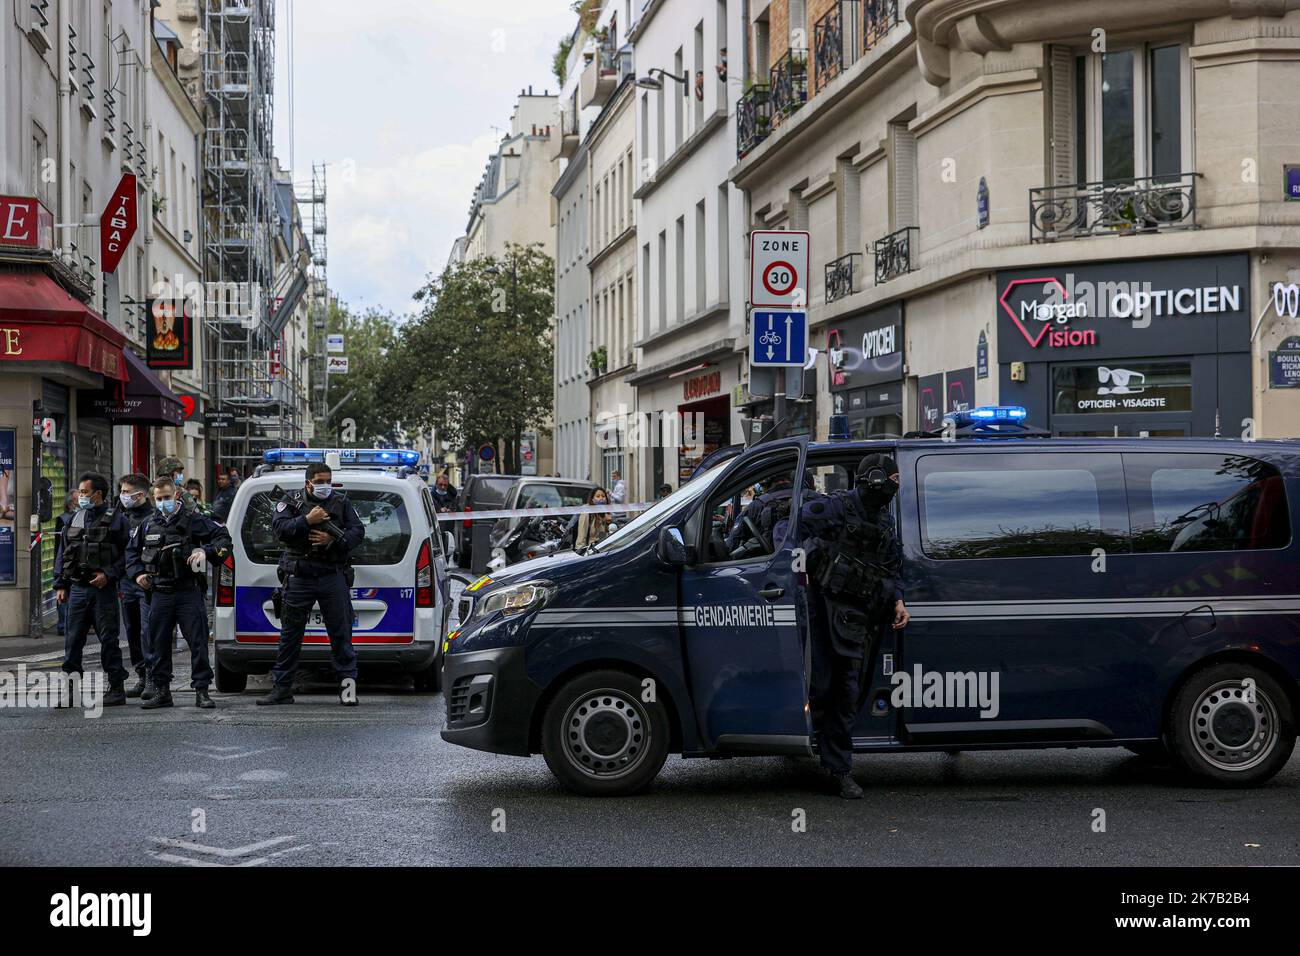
(1112, 207)
(753, 118)
(841, 277)
(835, 47)
(894, 253)
(878, 18)
(789, 83)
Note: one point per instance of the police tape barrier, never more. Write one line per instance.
(544, 512)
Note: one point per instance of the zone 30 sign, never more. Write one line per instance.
(778, 269)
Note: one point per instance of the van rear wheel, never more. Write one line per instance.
(1232, 724)
(230, 681)
(601, 739)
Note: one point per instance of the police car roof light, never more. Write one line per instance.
(347, 457)
(988, 413)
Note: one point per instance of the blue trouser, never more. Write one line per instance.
(87, 605)
(135, 619)
(183, 606)
(837, 631)
(300, 594)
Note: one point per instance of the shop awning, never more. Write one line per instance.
(41, 322)
(145, 399)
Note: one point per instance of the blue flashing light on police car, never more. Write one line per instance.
(991, 413)
(382, 457)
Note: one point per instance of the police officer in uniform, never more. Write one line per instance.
(769, 512)
(319, 529)
(86, 571)
(168, 557)
(855, 567)
(172, 467)
(135, 505)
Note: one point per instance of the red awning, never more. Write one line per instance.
(41, 322)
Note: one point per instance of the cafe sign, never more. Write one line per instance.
(702, 386)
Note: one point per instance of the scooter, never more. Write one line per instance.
(532, 538)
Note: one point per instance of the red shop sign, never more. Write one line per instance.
(117, 224)
(25, 222)
(702, 386)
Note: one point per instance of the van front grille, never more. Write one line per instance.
(458, 699)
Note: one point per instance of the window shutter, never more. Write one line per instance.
(1062, 129)
(850, 208)
(903, 157)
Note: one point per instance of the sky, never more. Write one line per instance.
(399, 97)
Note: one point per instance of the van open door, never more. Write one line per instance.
(743, 624)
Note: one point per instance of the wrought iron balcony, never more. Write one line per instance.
(789, 83)
(841, 277)
(834, 46)
(894, 253)
(1112, 207)
(878, 18)
(753, 118)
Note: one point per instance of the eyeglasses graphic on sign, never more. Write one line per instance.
(1127, 382)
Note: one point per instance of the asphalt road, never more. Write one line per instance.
(318, 784)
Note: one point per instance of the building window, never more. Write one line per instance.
(679, 276)
(701, 293)
(1123, 114)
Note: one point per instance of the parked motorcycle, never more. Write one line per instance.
(530, 538)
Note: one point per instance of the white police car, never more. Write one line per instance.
(399, 596)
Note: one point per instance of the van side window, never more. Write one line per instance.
(1020, 505)
(1195, 502)
(749, 516)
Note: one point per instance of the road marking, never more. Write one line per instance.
(215, 752)
(221, 853)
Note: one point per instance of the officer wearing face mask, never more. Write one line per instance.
(319, 529)
(135, 504)
(168, 557)
(86, 570)
(174, 467)
(855, 564)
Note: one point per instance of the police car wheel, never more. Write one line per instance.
(1219, 733)
(230, 681)
(601, 739)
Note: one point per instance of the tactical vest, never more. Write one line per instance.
(305, 550)
(854, 569)
(166, 549)
(87, 550)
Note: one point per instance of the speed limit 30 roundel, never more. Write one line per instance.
(778, 260)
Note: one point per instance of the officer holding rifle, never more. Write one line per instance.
(855, 567)
(319, 529)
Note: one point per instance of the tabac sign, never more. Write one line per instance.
(117, 224)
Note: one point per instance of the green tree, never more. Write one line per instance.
(366, 411)
(475, 363)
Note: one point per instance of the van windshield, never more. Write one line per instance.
(382, 513)
(649, 520)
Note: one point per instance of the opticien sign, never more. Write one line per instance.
(1064, 302)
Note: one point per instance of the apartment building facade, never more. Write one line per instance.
(1079, 208)
(690, 310)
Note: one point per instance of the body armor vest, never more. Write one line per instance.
(166, 549)
(90, 549)
(334, 527)
(854, 569)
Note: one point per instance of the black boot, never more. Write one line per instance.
(116, 695)
(148, 691)
(846, 786)
(162, 697)
(201, 699)
(137, 689)
(278, 695)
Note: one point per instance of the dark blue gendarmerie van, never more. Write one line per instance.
(1113, 592)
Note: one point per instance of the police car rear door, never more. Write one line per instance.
(743, 629)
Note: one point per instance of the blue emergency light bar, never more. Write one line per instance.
(348, 457)
(988, 413)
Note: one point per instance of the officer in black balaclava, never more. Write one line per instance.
(855, 586)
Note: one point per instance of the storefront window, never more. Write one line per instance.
(1117, 388)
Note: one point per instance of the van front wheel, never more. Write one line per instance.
(1232, 724)
(600, 738)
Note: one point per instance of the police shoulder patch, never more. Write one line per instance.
(281, 506)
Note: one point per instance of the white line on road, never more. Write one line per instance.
(223, 852)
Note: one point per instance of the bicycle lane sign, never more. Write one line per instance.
(778, 269)
(778, 338)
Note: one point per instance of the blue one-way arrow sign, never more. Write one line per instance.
(778, 338)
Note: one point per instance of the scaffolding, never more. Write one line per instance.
(318, 295)
(240, 216)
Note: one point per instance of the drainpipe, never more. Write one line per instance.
(65, 212)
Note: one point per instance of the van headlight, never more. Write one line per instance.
(512, 599)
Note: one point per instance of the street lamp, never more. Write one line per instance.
(650, 83)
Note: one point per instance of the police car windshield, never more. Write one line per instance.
(383, 513)
(649, 519)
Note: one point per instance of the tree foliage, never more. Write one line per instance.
(475, 363)
(367, 414)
